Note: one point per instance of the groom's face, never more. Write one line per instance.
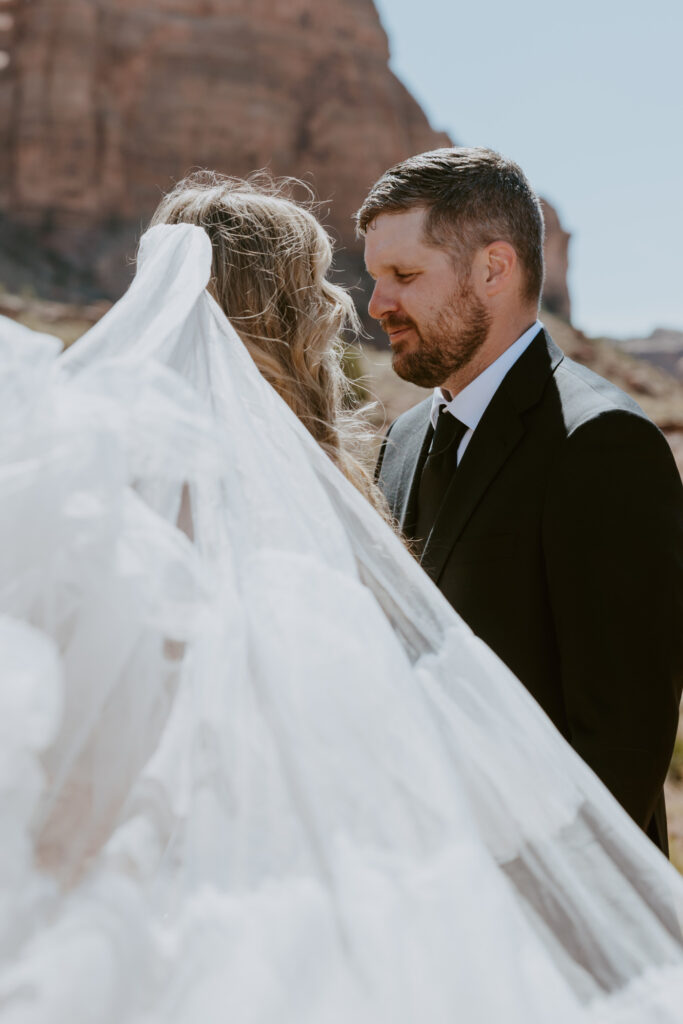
(426, 305)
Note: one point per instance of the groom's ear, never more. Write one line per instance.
(498, 267)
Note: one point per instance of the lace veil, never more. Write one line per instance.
(253, 766)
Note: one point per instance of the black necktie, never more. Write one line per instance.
(437, 472)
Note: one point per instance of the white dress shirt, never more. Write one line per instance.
(470, 404)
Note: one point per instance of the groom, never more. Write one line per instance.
(542, 501)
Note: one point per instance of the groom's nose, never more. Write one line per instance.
(382, 301)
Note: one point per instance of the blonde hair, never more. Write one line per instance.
(270, 260)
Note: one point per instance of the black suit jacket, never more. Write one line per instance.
(560, 542)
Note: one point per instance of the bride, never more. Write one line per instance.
(253, 766)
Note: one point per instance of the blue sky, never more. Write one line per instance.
(588, 98)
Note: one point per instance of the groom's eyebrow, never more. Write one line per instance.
(396, 267)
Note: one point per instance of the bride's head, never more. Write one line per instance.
(270, 260)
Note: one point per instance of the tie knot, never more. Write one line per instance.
(449, 431)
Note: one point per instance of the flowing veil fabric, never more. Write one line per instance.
(253, 767)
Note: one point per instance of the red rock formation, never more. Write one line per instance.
(555, 290)
(104, 103)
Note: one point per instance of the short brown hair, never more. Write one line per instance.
(473, 197)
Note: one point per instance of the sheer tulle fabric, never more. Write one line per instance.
(253, 766)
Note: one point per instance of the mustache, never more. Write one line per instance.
(393, 322)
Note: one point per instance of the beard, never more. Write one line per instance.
(446, 344)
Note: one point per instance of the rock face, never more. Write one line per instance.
(105, 103)
(555, 290)
(663, 347)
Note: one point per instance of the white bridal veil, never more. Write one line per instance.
(255, 769)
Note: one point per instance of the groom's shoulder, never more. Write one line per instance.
(585, 395)
(414, 419)
(403, 436)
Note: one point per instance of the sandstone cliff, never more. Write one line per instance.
(556, 291)
(104, 103)
(664, 348)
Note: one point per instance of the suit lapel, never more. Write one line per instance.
(410, 476)
(405, 448)
(495, 438)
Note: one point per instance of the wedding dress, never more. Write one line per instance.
(253, 767)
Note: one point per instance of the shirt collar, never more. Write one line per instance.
(469, 405)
